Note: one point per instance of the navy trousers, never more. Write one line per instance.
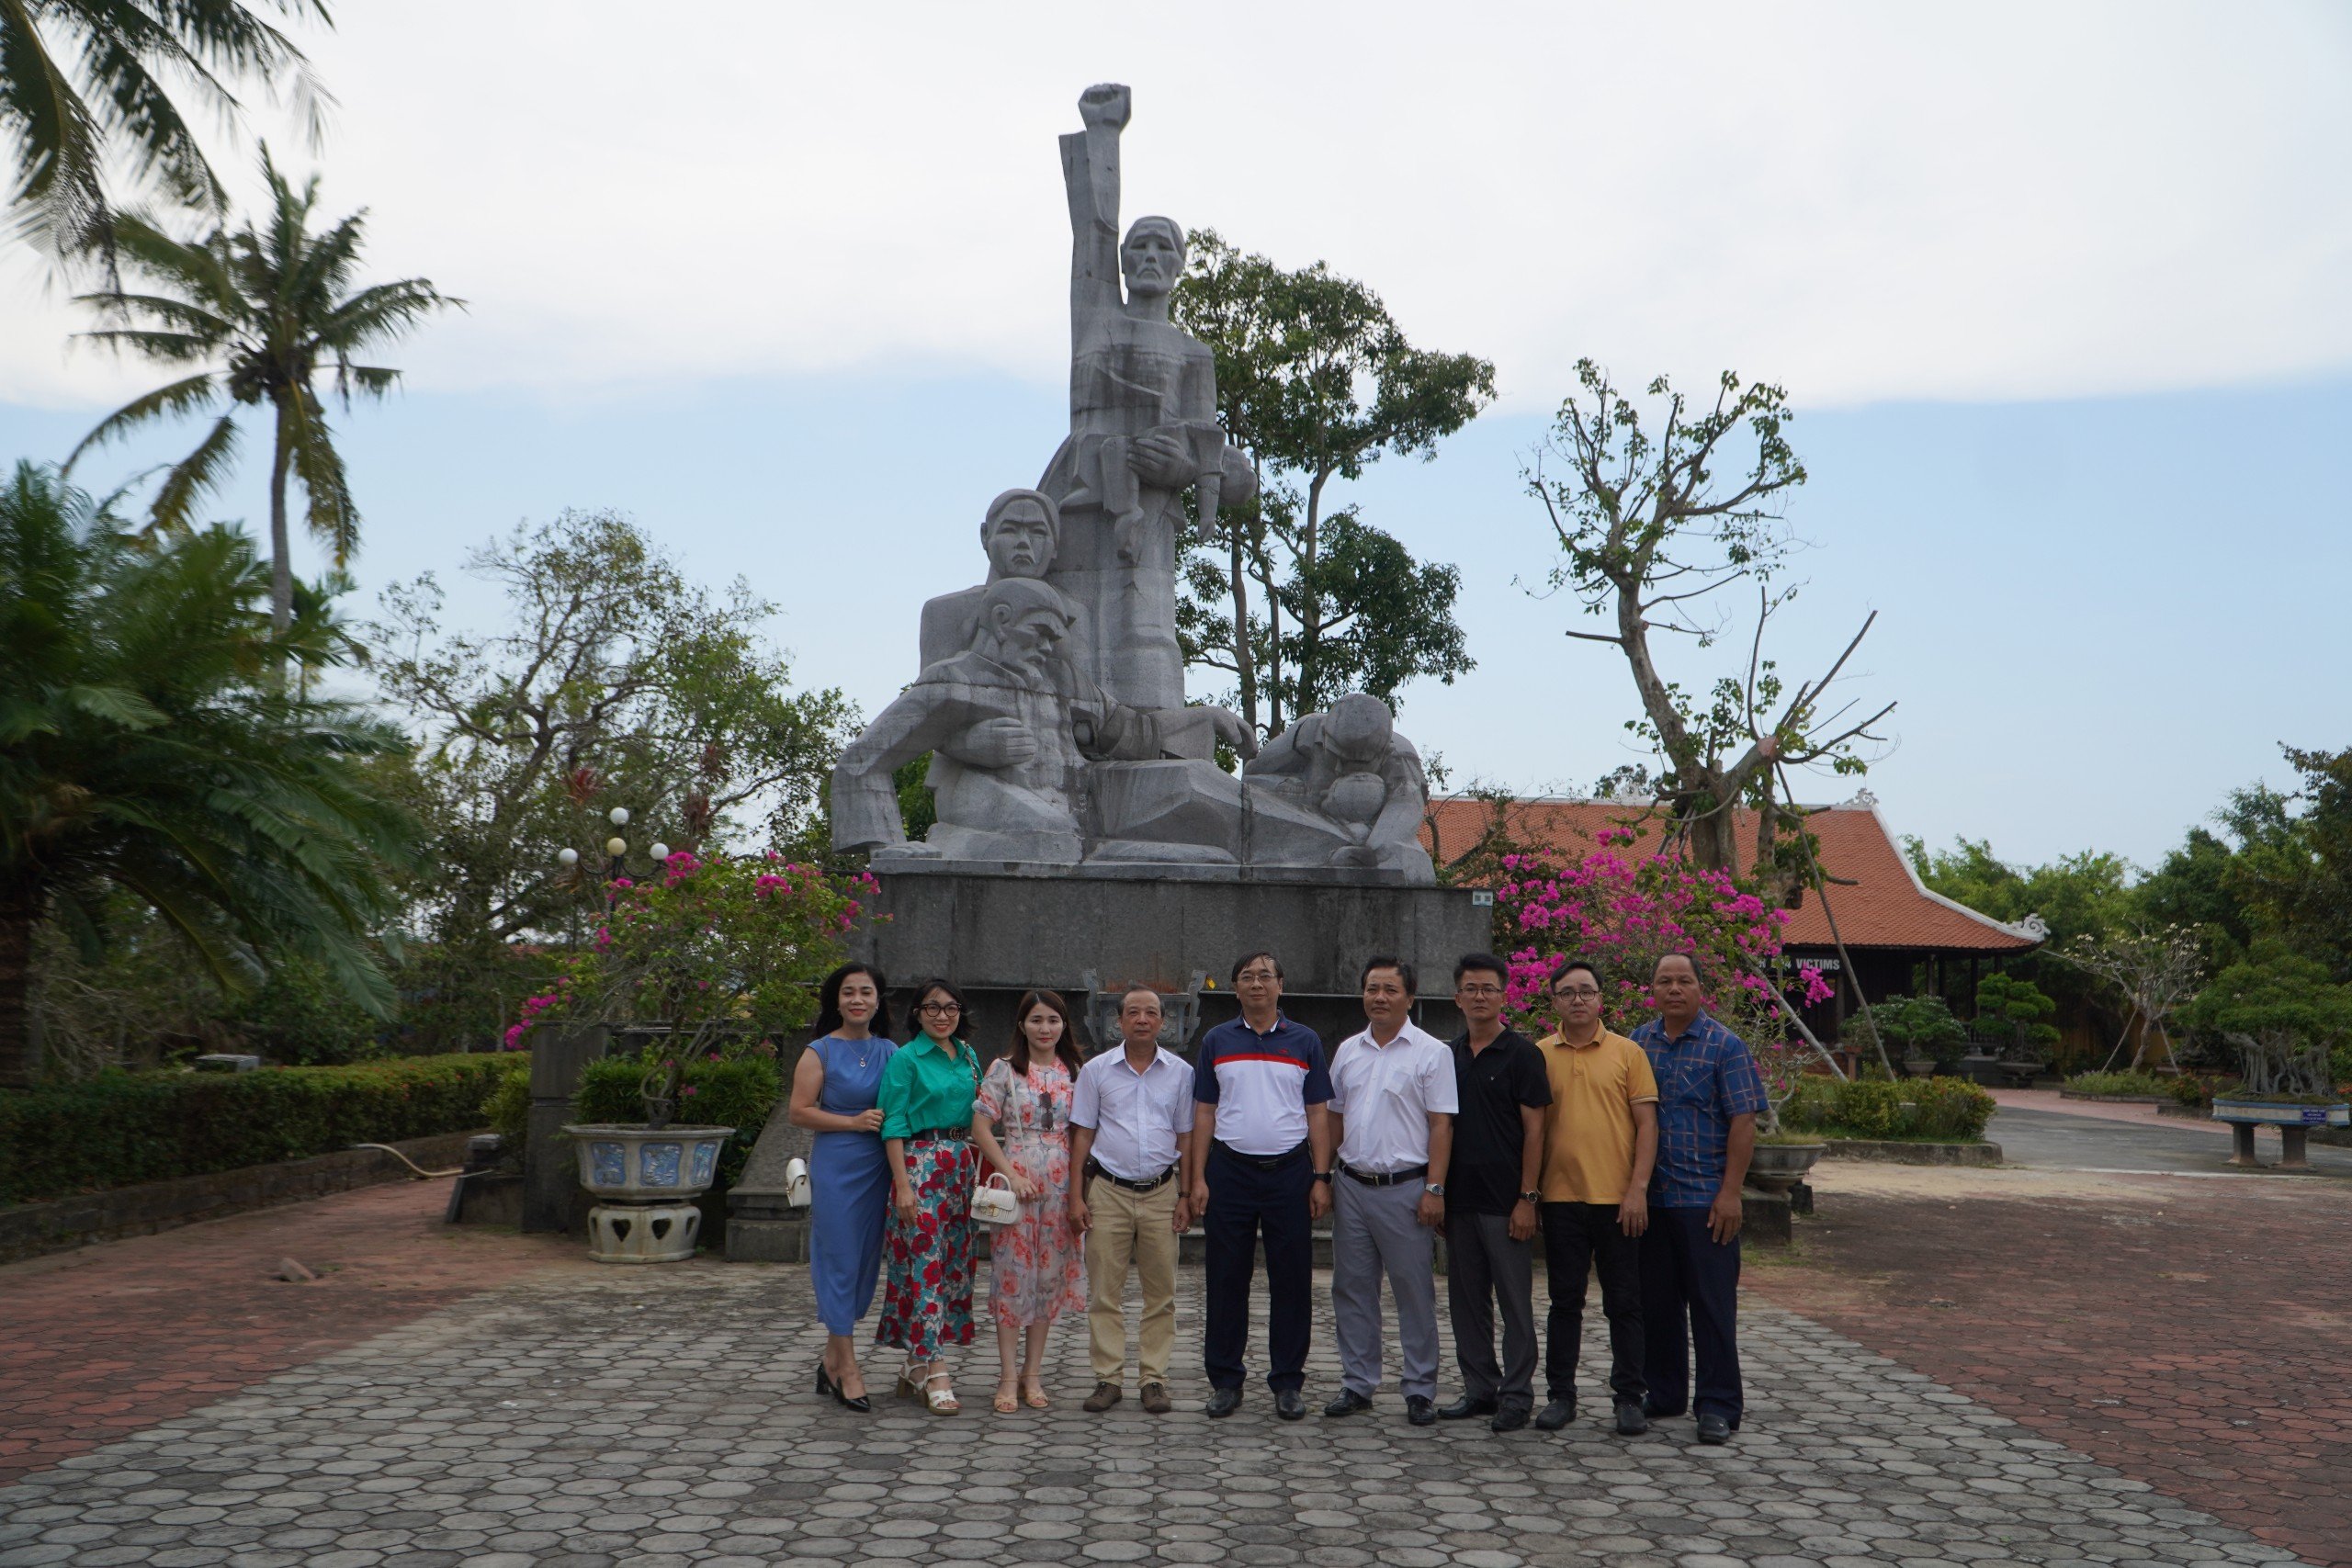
(1247, 1201)
(1690, 1308)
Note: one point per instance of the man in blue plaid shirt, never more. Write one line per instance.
(1708, 1094)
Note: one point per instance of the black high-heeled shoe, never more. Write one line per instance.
(825, 1385)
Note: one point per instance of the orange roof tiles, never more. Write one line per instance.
(1886, 908)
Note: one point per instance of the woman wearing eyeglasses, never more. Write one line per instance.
(926, 1099)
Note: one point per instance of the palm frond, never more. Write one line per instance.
(333, 519)
(183, 397)
(58, 157)
(202, 473)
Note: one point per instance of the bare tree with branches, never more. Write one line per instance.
(2156, 969)
(1647, 538)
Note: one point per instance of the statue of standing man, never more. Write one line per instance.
(1142, 421)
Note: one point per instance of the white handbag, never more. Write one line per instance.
(994, 1201)
(796, 1183)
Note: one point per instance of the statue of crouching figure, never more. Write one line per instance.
(1009, 738)
(1350, 768)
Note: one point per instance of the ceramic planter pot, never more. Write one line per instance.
(1776, 1168)
(641, 1164)
(2283, 1114)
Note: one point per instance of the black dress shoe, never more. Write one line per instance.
(1225, 1401)
(1713, 1431)
(1420, 1410)
(1509, 1420)
(1631, 1422)
(1290, 1404)
(1556, 1415)
(1465, 1407)
(1347, 1404)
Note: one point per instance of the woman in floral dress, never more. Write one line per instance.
(1021, 1122)
(926, 1103)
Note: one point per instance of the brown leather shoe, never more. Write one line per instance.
(1106, 1396)
(1156, 1400)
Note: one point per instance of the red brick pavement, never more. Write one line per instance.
(2195, 1333)
(98, 1343)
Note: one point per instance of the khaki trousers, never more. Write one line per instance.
(1131, 1229)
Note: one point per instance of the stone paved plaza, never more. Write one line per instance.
(666, 1416)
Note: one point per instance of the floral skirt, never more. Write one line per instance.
(927, 1266)
(1036, 1269)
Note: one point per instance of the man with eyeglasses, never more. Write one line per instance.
(1490, 1199)
(1261, 1095)
(1600, 1139)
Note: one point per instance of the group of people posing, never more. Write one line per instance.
(1624, 1154)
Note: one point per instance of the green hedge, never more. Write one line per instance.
(1941, 1109)
(119, 1129)
(2120, 1083)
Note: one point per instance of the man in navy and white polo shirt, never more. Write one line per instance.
(1261, 1086)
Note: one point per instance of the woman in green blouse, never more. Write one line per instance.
(926, 1103)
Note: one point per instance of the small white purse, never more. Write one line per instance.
(796, 1183)
(994, 1201)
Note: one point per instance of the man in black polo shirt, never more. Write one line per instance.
(1490, 1198)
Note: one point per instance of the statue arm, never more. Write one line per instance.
(864, 798)
(1091, 179)
(1400, 817)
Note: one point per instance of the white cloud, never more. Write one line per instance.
(1862, 201)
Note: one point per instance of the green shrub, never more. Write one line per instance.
(300, 1018)
(2120, 1083)
(1940, 1109)
(508, 1109)
(118, 1129)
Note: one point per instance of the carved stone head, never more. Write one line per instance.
(1359, 729)
(1020, 532)
(1022, 625)
(1152, 258)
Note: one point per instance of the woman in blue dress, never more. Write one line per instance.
(834, 1091)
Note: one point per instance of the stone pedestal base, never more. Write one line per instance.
(998, 931)
(643, 1233)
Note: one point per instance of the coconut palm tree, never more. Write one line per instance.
(83, 85)
(149, 743)
(267, 309)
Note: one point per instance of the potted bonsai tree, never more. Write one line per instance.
(707, 961)
(2284, 1016)
(2014, 1016)
(1931, 1039)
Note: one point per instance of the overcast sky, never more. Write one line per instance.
(2060, 292)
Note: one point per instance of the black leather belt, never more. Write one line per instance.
(1154, 1185)
(1410, 1173)
(1260, 1162)
(942, 1135)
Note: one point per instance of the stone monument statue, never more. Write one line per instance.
(1142, 423)
(1052, 696)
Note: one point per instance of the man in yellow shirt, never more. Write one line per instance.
(1599, 1141)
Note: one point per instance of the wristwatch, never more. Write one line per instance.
(1531, 1197)
(1322, 1176)
(1434, 1188)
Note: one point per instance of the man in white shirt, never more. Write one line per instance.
(1393, 1098)
(1131, 1164)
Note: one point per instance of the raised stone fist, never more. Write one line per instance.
(1105, 103)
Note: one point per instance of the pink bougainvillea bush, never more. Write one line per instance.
(737, 942)
(1623, 911)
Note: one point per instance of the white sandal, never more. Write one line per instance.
(942, 1401)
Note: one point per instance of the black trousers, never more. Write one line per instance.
(1579, 1239)
(1691, 1309)
(1246, 1202)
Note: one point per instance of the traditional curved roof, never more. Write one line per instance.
(1886, 907)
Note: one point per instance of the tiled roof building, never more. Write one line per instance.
(1901, 936)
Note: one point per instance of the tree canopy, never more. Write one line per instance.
(1299, 602)
(148, 747)
(267, 309)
